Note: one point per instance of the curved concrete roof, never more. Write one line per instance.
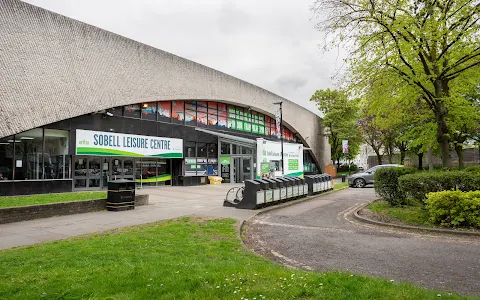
(54, 68)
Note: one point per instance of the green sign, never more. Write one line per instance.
(224, 160)
(265, 167)
(292, 164)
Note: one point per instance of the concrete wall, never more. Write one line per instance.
(54, 68)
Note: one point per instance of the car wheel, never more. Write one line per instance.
(359, 183)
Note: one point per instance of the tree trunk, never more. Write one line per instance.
(420, 161)
(459, 150)
(442, 133)
(430, 158)
(379, 157)
(402, 156)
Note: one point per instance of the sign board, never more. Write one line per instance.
(118, 144)
(345, 146)
(225, 160)
(268, 152)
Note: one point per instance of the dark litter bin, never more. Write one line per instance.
(121, 195)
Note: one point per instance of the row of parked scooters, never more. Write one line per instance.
(268, 191)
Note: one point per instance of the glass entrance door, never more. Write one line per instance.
(241, 168)
(247, 168)
(236, 170)
(87, 173)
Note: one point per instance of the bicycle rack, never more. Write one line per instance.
(234, 196)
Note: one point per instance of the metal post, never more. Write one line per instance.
(281, 135)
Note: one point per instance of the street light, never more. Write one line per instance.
(281, 133)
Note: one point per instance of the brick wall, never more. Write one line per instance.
(25, 213)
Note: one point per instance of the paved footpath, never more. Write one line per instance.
(321, 235)
(165, 203)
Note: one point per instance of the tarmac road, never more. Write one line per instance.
(321, 235)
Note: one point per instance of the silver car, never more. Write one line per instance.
(360, 180)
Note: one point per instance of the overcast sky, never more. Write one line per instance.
(270, 43)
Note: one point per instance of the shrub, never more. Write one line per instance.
(417, 186)
(344, 168)
(454, 208)
(386, 184)
(473, 168)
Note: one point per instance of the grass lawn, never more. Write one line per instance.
(340, 185)
(183, 259)
(11, 201)
(413, 215)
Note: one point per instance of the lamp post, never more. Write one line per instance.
(281, 133)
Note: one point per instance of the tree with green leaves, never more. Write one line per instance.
(340, 115)
(430, 44)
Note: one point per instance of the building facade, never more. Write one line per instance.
(65, 82)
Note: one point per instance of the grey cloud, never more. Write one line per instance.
(290, 82)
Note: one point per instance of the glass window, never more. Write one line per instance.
(231, 124)
(255, 128)
(80, 170)
(212, 107)
(29, 158)
(202, 106)
(116, 111)
(149, 172)
(222, 121)
(202, 118)
(212, 120)
(231, 111)
(190, 159)
(7, 158)
(261, 129)
(191, 113)
(164, 111)
(190, 149)
(202, 150)
(212, 114)
(222, 107)
(247, 127)
(212, 151)
(149, 111)
(247, 150)
(273, 130)
(261, 119)
(247, 116)
(236, 149)
(225, 148)
(178, 112)
(239, 113)
(254, 117)
(56, 159)
(132, 111)
(239, 125)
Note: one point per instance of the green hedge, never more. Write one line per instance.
(386, 184)
(454, 208)
(473, 168)
(417, 186)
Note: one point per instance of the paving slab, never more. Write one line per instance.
(164, 203)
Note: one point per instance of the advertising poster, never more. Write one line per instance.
(271, 153)
(345, 146)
